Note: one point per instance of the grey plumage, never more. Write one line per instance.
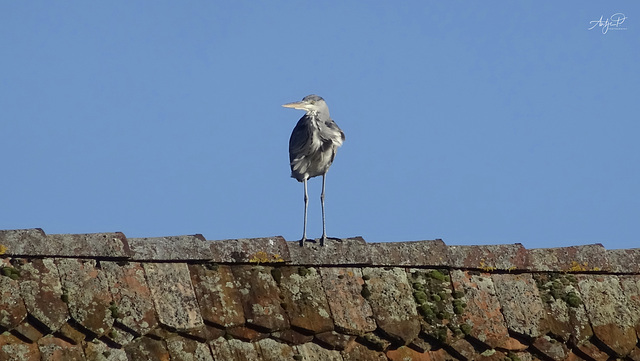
(312, 148)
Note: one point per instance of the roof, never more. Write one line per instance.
(104, 296)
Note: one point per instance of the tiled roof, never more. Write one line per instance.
(104, 296)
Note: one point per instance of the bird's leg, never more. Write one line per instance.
(306, 204)
(324, 230)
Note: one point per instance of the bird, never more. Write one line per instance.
(312, 148)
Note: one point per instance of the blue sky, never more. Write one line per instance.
(474, 122)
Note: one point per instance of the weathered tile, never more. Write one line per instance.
(419, 253)
(148, 349)
(521, 304)
(101, 245)
(87, 294)
(235, 350)
(488, 258)
(405, 353)
(551, 348)
(593, 351)
(132, 302)
(434, 299)
(464, 347)
(566, 315)
(272, 350)
(246, 334)
(362, 353)
(12, 308)
(55, 349)
(173, 295)
(184, 349)
(173, 248)
(334, 340)
(41, 290)
(349, 251)
(291, 337)
(588, 258)
(351, 313)
(99, 351)
(391, 300)
(12, 348)
(28, 331)
(21, 242)
(303, 298)
(313, 352)
(260, 298)
(631, 288)
(607, 308)
(250, 250)
(479, 307)
(624, 260)
(218, 295)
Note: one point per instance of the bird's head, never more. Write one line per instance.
(311, 104)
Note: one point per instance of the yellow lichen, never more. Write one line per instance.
(3, 249)
(485, 267)
(577, 267)
(263, 257)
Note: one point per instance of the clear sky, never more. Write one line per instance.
(474, 122)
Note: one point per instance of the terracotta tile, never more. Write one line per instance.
(553, 349)
(334, 340)
(145, 348)
(313, 352)
(87, 293)
(631, 288)
(218, 295)
(362, 353)
(391, 299)
(27, 330)
(132, 302)
(235, 350)
(291, 337)
(304, 300)
(593, 351)
(607, 307)
(99, 351)
(173, 248)
(104, 245)
(260, 298)
(405, 353)
(566, 315)
(250, 250)
(420, 253)
(351, 313)
(624, 260)
(521, 304)
(349, 251)
(55, 349)
(184, 349)
(12, 308)
(173, 295)
(488, 258)
(271, 350)
(246, 334)
(12, 348)
(41, 290)
(21, 242)
(482, 310)
(588, 258)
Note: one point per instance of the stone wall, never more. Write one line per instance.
(108, 297)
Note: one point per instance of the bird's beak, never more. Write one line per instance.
(296, 105)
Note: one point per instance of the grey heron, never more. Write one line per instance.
(312, 148)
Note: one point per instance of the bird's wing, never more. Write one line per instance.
(299, 139)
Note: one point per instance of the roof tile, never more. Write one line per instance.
(607, 307)
(489, 258)
(173, 295)
(87, 294)
(218, 294)
(12, 309)
(260, 298)
(349, 309)
(173, 248)
(418, 253)
(271, 350)
(349, 251)
(624, 260)
(250, 250)
(184, 349)
(41, 290)
(303, 299)
(12, 348)
(146, 348)
(55, 349)
(588, 258)
(313, 352)
(391, 300)
(521, 304)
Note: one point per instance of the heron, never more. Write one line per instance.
(312, 148)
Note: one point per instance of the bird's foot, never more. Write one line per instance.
(304, 239)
